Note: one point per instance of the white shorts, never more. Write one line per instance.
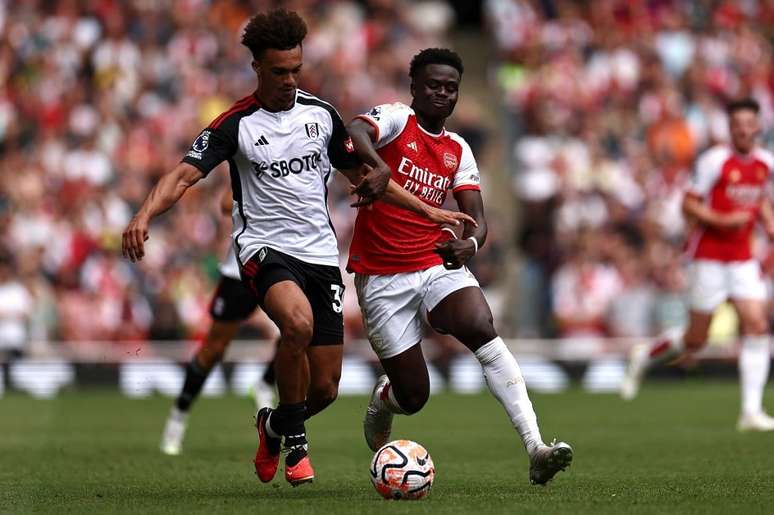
(393, 306)
(714, 282)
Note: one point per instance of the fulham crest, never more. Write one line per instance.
(312, 130)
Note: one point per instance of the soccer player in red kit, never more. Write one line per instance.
(406, 267)
(726, 198)
(282, 144)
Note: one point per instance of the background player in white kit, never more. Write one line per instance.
(727, 196)
(232, 304)
(281, 145)
(406, 267)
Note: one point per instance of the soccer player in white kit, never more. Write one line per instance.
(406, 267)
(281, 145)
(726, 197)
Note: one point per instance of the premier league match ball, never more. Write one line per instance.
(402, 469)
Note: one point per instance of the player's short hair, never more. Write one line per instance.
(279, 29)
(435, 56)
(743, 104)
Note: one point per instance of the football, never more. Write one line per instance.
(402, 469)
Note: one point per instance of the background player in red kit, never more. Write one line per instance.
(726, 197)
(406, 266)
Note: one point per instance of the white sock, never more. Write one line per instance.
(178, 414)
(388, 400)
(669, 346)
(754, 363)
(506, 383)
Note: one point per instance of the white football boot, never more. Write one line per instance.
(174, 431)
(377, 424)
(635, 371)
(547, 460)
(755, 422)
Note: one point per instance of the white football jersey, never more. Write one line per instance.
(279, 164)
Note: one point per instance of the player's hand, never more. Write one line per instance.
(455, 253)
(373, 185)
(733, 220)
(769, 228)
(133, 239)
(445, 217)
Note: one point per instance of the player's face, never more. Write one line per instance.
(278, 72)
(435, 90)
(744, 127)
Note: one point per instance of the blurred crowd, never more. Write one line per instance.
(608, 103)
(98, 98)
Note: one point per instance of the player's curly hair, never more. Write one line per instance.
(743, 104)
(279, 29)
(435, 56)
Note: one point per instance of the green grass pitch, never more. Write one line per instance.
(673, 450)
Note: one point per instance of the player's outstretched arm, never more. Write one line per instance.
(363, 135)
(457, 252)
(398, 196)
(164, 194)
(694, 207)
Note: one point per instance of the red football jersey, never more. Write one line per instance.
(389, 239)
(727, 182)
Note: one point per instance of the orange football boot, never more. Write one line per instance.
(268, 453)
(300, 473)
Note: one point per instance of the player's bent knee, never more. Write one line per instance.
(413, 402)
(477, 332)
(297, 332)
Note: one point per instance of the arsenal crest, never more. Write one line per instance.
(450, 161)
(312, 130)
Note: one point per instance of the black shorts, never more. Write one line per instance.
(232, 301)
(322, 285)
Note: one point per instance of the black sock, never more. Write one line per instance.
(294, 456)
(195, 376)
(268, 374)
(288, 420)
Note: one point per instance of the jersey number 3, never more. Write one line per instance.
(337, 304)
